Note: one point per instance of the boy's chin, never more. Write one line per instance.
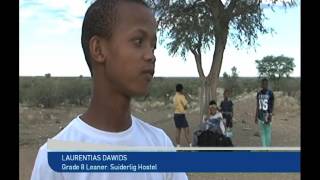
(140, 93)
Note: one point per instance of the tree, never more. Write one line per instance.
(48, 75)
(225, 76)
(231, 82)
(196, 25)
(275, 68)
(234, 73)
(75, 91)
(43, 93)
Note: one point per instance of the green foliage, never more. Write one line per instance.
(75, 91)
(231, 82)
(44, 93)
(48, 75)
(249, 85)
(193, 25)
(188, 27)
(275, 68)
(51, 92)
(291, 86)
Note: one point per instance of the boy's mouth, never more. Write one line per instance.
(148, 72)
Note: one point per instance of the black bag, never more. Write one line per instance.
(226, 142)
(213, 139)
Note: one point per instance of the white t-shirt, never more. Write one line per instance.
(139, 134)
(217, 117)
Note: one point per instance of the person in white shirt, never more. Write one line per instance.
(215, 118)
(212, 122)
(119, 49)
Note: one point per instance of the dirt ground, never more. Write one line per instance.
(36, 125)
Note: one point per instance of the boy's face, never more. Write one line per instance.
(264, 84)
(212, 109)
(131, 61)
(226, 94)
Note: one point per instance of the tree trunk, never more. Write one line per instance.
(207, 93)
(213, 77)
(278, 83)
(209, 84)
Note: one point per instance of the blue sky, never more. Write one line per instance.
(50, 32)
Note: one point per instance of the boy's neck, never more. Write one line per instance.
(108, 111)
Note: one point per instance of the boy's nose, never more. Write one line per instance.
(149, 56)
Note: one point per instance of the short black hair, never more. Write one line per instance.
(179, 87)
(212, 102)
(99, 20)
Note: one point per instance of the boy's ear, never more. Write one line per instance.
(97, 47)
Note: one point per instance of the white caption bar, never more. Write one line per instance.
(57, 145)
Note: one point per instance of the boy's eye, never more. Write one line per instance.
(138, 42)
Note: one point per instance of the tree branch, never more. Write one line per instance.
(230, 8)
(197, 57)
(216, 7)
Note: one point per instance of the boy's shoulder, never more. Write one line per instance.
(180, 95)
(62, 135)
(229, 101)
(148, 128)
(217, 115)
(69, 131)
(176, 96)
(76, 128)
(270, 91)
(73, 131)
(154, 135)
(226, 102)
(260, 92)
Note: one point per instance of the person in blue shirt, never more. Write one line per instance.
(264, 109)
(226, 108)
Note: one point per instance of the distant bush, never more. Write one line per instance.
(53, 91)
(43, 93)
(48, 75)
(75, 91)
(50, 92)
(231, 82)
(291, 86)
(249, 84)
